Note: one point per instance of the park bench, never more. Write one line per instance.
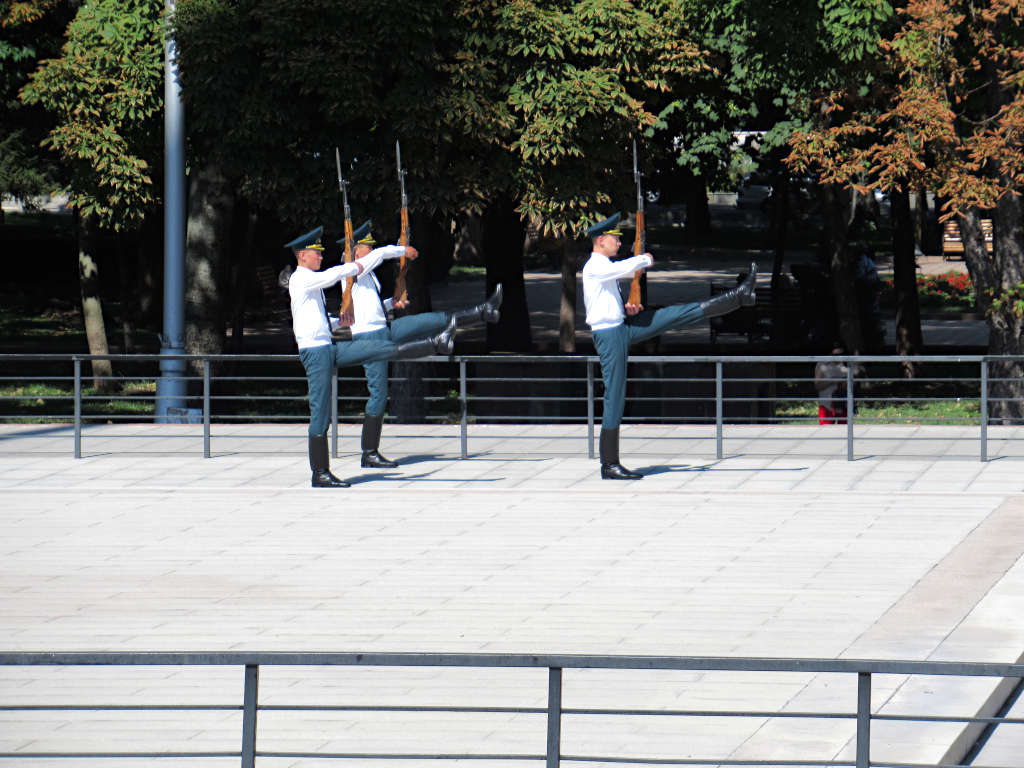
(758, 322)
(953, 244)
(273, 297)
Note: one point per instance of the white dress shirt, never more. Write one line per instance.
(306, 288)
(601, 290)
(366, 300)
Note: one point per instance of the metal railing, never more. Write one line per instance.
(467, 389)
(554, 711)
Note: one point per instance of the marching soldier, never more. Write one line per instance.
(616, 326)
(371, 324)
(321, 355)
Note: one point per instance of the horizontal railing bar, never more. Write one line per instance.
(566, 661)
(497, 710)
(399, 708)
(950, 719)
(395, 756)
(515, 359)
(95, 755)
(707, 761)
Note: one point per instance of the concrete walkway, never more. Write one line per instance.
(782, 548)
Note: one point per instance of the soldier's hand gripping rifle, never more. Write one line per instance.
(636, 292)
(401, 295)
(346, 314)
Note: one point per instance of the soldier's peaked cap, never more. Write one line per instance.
(362, 236)
(609, 226)
(310, 241)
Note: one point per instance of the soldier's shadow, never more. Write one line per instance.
(660, 469)
(484, 456)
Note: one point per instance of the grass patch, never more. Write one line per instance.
(955, 412)
(460, 272)
(53, 319)
(45, 403)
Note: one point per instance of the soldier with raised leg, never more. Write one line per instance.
(321, 355)
(615, 326)
(372, 323)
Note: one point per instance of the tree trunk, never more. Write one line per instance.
(1006, 326)
(781, 216)
(503, 238)
(698, 214)
(145, 268)
(241, 280)
(211, 207)
(468, 238)
(567, 305)
(839, 209)
(92, 308)
(128, 294)
(434, 244)
(908, 313)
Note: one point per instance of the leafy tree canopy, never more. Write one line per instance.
(535, 100)
(105, 94)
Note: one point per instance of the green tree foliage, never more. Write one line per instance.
(582, 79)
(104, 93)
(536, 100)
(29, 31)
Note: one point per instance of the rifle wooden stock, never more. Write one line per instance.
(345, 314)
(403, 239)
(346, 300)
(638, 248)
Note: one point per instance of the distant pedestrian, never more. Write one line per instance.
(830, 382)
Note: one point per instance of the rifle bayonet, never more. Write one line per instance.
(636, 287)
(403, 239)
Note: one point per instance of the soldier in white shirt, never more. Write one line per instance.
(616, 326)
(321, 355)
(371, 323)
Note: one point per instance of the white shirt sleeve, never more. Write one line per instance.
(390, 252)
(618, 270)
(373, 259)
(317, 281)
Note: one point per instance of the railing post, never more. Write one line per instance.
(78, 408)
(334, 415)
(249, 709)
(464, 408)
(863, 720)
(590, 409)
(206, 408)
(849, 411)
(719, 410)
(984, 410)
(554, 753)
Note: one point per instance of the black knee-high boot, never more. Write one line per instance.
(743, 295)
(610, 467)
(440, 344)
(319, 462)
(371, 442)
(488, 311)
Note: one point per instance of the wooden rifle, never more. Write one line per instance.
(639, 245)
(403, 238)
(346, 315)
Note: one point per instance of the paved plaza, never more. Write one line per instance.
(782, 548)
